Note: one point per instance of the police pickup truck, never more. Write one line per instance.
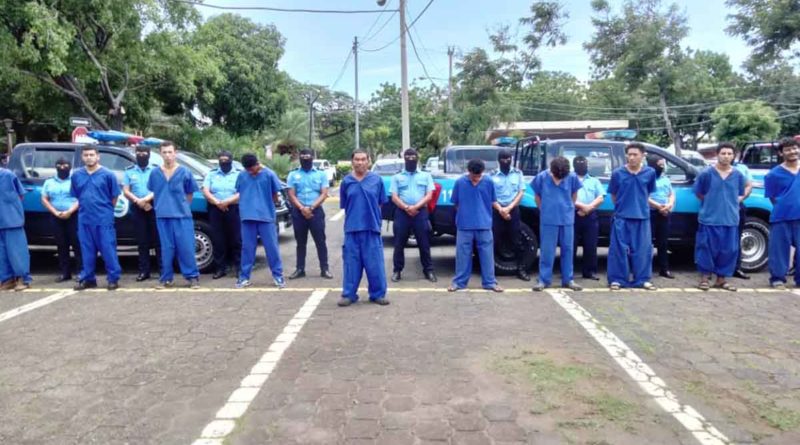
(532, 156)
(33, 163)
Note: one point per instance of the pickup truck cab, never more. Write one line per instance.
(33, 163)
(760, 157)
(325, 166)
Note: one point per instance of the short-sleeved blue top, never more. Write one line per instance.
(12, 214)
(256, 195)
(662, 191)
(221, 185)
(136, 178)
(361, 201)
(632, 192)
(591, 189)
(784, 187)
(59, 192)
(558, 208)
(307, 185)
(506, 186)
(720, 206)
(169, 195)
(95, 193)
(474, 203)
(411, 187)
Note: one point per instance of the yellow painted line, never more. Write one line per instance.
(101, 289)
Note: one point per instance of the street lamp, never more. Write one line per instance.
(9, 124)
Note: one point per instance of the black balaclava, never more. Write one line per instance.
(142, 156)
(652, 161)
(559, 167)
(306, 159)
(227, 165)
(504, 161)
(62, 168)
(581, 166)
(412, 160)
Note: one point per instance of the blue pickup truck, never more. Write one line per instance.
(532, 156)
(33, 163)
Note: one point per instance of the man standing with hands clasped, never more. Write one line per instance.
(782, 187)
(219, 188)
(63, 207)
(134, 186)
(509, 186)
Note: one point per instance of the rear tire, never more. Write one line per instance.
(203, 247)
(754, 244)
(505, 262)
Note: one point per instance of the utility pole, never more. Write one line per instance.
(311, 97)
(355, 54)
(450, 51)
(404, 79)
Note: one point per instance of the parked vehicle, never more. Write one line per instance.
(760, 157)
(329, 169)
(432, 165)
(388, 167)
(33, 163)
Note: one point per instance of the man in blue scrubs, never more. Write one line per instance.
(782, 187)
(662, 202)
(748, 188)
(63, 207)
(308, 190)
(720, 189)
(15, 261)
(631, 248)
(258, 189)
(97, 190)
(509, 187)
(556, 192)
(134, 186)
(219, 188)
(361, 195)
(411, 190)
(474, 197)
(587, 224)
(173, 187)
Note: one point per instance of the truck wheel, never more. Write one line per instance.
(754, 244)
(505, 262)
(203, 247)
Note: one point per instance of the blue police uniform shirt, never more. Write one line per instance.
(221, 185)
(136, 178)
(474, 203)
(632, 192)
(307, 185)
(95, 192)
(256, 195)
(12, 215)
(59, 192)
(507, 186)
(411, 187)
(720, 205)
(558, 209)
(662, 191)
(361, 201)
(743, 169)
(591, 189)
(784, 187)
(169, 195)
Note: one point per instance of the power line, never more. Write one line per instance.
(269, 8)
(342, 71)
(376, 33)
(414, 46)
(407, 28)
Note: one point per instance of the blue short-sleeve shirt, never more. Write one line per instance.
(558, 208)
(12, 214)
(169, 195)
(783, 187)
(506, 186)
(632, 192)
(221, 185)
(59, 192)
(411, 187)
(591, 189)
(136, 178)
(361, 201)
(95, 193)
(720, 206)
(307, 185)
(256, 195)
(663, 190)
(474, 203)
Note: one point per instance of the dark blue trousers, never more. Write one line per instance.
(659, 225)
(782, 237)
(420, 226)
(226, 236)
(363, 252)
(315, 225)
(630, 253)
(716, 249)
(96, 239)
(177, 239)
(146, 233)
(65, 232)
(15, 260)
(587, 229)
(508, 230)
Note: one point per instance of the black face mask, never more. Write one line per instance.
(225, 166)
(581, 169)
(411, 166)
(62, 171)
(306, 164)
(659, 170)
(143, 160)
(505, 165)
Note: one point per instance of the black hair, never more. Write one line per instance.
(726, 145)
(503, 154)
(410, 152)
(89, 147)
(636, 145)
(168, 144)
(787, 142)
(358, 151)
(249, 160)
(476, 166)
(305, 151)
(559, 166)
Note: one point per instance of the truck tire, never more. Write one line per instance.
(505, 262)
(203, 247)
(754, 244)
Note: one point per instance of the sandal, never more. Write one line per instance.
(725, 286)
(704, 285)
(454, 289)
(614, 286)
(494, 288)
(649, 286)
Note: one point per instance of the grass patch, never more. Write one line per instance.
(540, 372)
(612, 408)
(784, 419)
(577, 424)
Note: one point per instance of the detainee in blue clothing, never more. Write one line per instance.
(662, 202)
(361, 195)
(173, 187)
(258, 188)
(782, 187)
(57, 198)
(15, 261)
(587, 224)
(134, 187)
(219, 188)
(308, 190)
(509, 186)
(556, 191)
(474, 197)
(720, 189)
(97, 190)
(631, 249)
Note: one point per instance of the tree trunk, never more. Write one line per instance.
(668, 123)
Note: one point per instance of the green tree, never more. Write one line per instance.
(376, 140)
(770, 27)
(291, 133)
(744, 121)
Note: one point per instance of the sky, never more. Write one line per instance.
(317, 45)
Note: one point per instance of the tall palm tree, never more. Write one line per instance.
(291, 133)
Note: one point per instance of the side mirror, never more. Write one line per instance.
(440, 165)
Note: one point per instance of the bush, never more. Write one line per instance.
(343, 170)
(281, 165)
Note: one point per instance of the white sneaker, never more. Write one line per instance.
(241, 284)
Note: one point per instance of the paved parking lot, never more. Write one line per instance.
(219, 365)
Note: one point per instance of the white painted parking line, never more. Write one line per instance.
(339, 215)
(641, 373)
(36, 304)
(225, 420)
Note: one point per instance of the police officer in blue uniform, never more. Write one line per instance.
(782, 187)
(510, 187)
(748, 188)
(57, 198)
(662, 202)
(219, 188)
(308, 190)
(411, 191)
(15, 261)
(587, 224)
(173, 187)
(134, 187)
(97, 191)
(361, 196)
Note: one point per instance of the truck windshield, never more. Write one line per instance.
(456, 159)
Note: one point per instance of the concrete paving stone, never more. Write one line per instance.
(499, 413)
(369, 396)
(396, 438)
(467, 422)
(398, 421)
(433, 430)
(299, 410)
(506, 431)
(399, 403)
(369, 411)
(471, 438)
(361, 429)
